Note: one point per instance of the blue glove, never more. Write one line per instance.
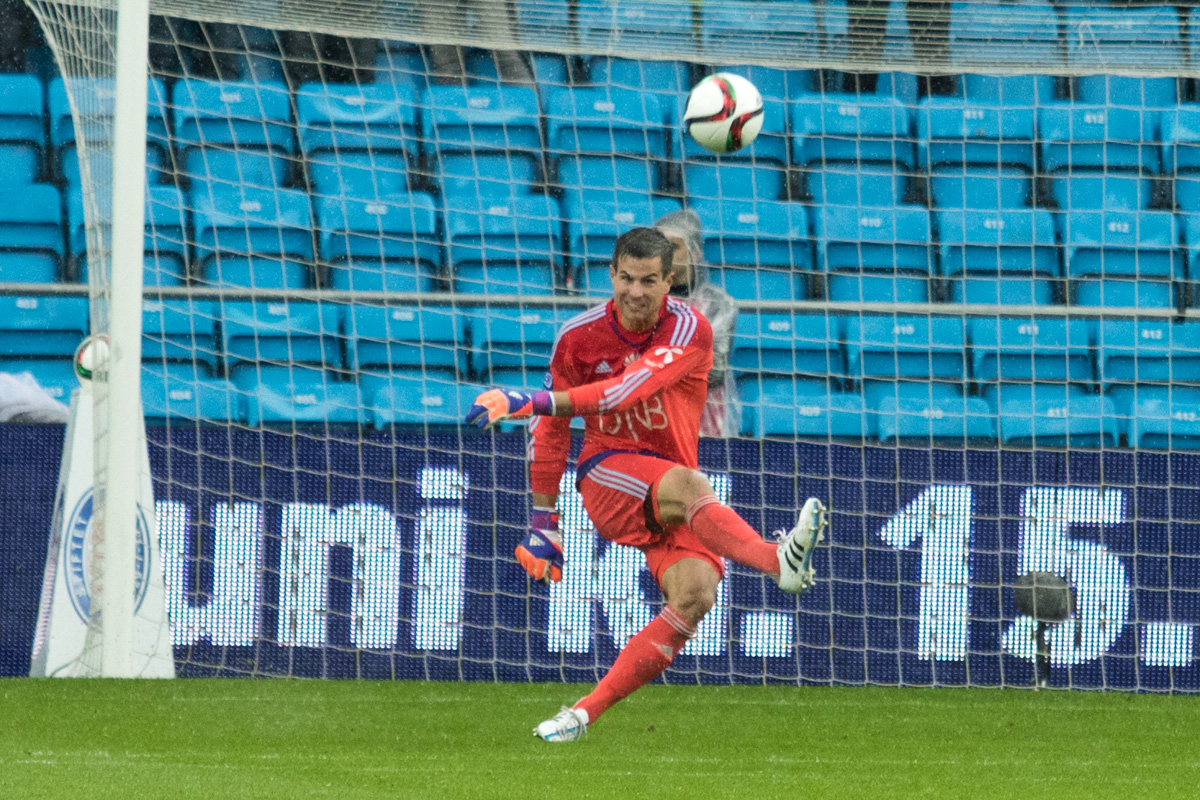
(540, 552)
(498, 405)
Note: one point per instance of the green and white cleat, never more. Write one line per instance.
(796, 549)
(568, 725)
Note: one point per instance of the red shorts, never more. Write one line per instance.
(615, 493)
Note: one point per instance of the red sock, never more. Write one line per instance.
(720, 529)
(650, 651)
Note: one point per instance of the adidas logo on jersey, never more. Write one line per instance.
(603, 369)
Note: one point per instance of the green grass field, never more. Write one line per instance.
(285, 739)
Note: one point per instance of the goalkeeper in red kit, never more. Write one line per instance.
(636, 369)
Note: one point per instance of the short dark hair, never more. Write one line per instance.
(645, 243)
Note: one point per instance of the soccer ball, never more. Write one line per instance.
(91, 357)
(724, 112)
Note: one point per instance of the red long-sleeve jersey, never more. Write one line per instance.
(637, 391)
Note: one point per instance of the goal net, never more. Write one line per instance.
(950, 281)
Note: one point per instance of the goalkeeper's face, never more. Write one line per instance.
(639, 287)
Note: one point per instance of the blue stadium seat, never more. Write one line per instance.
(877, 254)
(761, 245)
(1008, 256)
(1191, 235)
(906, 347)
(504, 248)
(181, 331)
(776, 85)
(1121, 90)
(1028, 91)
(1099, 37)
(642, 75)
(335, 118)
(1122, 258)
(34, 327)
(592, 228)
(404, 65)
(761, 233)
(56, 376)
(710, 181)
(991, 33)
(253, 237)
(357, 140)
(487, 176)
(1055, 415)
(605, 26)
(797, 407)
(387, 339)
(481, 118)
(1075, 136)
(587, 179)
(31, 237)
(1030, 349)
(231, 130)
(22, 128)
(953, 132)
(1096, 191)
(174, 395)
(296, 394)
(272, 336)
(781, 343)
(1165, 418)
(981, 188)
(413, 398)
(511, 346)
(164, 260)
(849, 185)
(97, 96)
(386, 245)
(669, 81)
(924, 412)
(1134, 356)
(852, 129)
(1181, 140)
(605, 119)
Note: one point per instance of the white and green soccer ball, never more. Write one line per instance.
(91, 357)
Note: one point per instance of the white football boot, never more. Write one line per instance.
(568, 725)
(796, 549)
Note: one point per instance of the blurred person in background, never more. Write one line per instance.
(722, 412)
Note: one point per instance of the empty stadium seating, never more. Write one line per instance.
(22, 120)
(504, 247)
(881, 254)
(389, 244)
(31, 235)
(1006, 256)
(96, 98)
(1122, 258)
(357, 141)
(761, 245)
(246, 236)
(233, 131)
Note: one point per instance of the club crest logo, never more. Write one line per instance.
(77, 547)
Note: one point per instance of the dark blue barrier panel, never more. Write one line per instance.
(914, 589)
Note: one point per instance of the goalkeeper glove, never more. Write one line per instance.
(540, 552)
(500, 405)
